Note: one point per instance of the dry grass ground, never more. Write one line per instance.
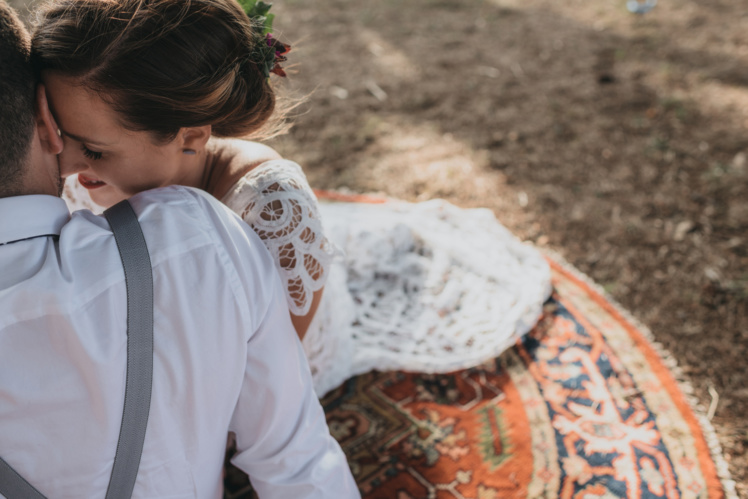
(617, 140)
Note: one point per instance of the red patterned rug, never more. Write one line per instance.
(583, 407)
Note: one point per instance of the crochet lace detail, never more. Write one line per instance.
(276, 201)
(428, 287)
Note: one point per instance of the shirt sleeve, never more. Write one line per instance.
(283, 441)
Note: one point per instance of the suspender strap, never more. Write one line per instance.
(12, 485)
(139, 283)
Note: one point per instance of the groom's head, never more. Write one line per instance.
(28, 133)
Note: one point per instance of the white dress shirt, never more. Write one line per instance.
(226, 355)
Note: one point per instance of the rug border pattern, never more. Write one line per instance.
(666, 359)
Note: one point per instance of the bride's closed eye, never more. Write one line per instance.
(94, 155)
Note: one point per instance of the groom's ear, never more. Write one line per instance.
(49, 132)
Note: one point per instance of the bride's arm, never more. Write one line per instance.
(275, 199)
(301, 322)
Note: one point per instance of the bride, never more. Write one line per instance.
(153, 93)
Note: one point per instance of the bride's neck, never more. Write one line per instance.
(217, 161)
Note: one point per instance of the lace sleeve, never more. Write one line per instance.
(277, 202)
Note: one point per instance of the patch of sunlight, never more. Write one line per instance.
(427, 163)
(388, 57)
(716, 97)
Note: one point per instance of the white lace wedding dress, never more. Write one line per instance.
(423, 287)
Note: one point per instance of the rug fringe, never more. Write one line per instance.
(710, 434)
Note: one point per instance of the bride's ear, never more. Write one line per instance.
(194, 138)
(46, 124)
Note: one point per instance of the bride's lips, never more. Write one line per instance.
(90, 183)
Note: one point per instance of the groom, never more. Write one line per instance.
(226, 355)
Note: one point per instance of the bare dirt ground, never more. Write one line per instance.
(619, 141)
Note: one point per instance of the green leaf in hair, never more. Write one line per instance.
(268, 24)
(269, 52)
(247, 5)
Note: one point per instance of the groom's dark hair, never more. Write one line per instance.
(17, 88)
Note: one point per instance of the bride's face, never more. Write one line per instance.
(113, 163)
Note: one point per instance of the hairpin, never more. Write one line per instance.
(269, 52)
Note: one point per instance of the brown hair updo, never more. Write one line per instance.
(161, 64)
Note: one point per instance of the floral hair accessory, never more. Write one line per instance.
(269, 52)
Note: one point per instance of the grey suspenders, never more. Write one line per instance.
(139, 283)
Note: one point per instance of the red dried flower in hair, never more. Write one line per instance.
(279, 51)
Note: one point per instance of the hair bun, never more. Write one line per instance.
(244, 99)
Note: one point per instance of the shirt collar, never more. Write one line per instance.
(24, 217)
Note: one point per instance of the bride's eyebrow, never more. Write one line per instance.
(83, 139)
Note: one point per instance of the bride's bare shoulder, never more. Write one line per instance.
(235, 158)
(252, 153)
